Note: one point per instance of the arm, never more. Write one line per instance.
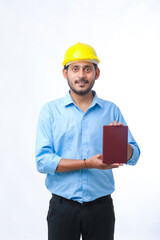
(130, 148)
(45, 154)
(135, 148)
(130, 151)
(48, 161)
(93, 162)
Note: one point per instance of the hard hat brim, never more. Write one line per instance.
(86, 60)
(70, 61)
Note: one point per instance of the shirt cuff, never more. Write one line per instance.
(133, 160)
(51, 166)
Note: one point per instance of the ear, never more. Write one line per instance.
(97, 73)
(64, 73)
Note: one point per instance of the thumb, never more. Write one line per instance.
(99, 156)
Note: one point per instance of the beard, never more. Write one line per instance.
(82, 91)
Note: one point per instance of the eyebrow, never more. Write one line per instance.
(83, 66)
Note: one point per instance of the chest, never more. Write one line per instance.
(72, 124)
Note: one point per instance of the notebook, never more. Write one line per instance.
(115, 144)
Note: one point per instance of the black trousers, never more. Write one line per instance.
(68, 219)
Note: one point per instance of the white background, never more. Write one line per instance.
(34, 35)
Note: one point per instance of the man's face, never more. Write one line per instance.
(81, 77)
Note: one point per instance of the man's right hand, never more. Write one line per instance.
(96, 162)
(66, 165)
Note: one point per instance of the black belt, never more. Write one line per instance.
(100, 200)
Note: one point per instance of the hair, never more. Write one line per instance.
(95, 66)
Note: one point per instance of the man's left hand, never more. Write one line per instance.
(130, 149)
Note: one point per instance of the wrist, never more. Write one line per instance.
(85, 164)
(130, 151)
(88, 163)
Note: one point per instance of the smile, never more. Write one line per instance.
(81, 81)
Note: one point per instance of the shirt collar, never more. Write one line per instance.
(96, 100)
(68, 100)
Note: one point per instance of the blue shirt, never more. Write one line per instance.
(65, 131)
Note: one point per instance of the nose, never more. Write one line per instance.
(81, 73)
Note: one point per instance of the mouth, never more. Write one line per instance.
(81, 82)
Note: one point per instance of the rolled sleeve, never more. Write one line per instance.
(135, 156)
(51, 166)
(46, 158)
(47, 163)
(136, 151)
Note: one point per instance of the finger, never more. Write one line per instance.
(114, 165)
(117, 164)
(115, 122)
(109, 166)
(99, 156)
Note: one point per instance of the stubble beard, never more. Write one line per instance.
(81, 92)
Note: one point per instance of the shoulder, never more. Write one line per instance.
(108, 104)
(51, 107)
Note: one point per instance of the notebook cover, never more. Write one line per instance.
(115, 144)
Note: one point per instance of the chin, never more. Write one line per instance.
(81, 92)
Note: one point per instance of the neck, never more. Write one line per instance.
(82, 101)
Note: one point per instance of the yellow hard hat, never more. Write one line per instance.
(78, 52)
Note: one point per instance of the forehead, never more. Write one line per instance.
(81, 64)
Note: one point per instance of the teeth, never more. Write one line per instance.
(81, 82)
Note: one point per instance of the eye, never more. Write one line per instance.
(75, 69)
(87, 69)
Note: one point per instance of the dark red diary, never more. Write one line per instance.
(115, 144)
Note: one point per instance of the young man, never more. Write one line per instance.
(69, 151)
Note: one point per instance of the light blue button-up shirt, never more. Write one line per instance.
(65, 131)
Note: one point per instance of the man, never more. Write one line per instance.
(69, 151)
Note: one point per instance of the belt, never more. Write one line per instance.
(97, 201)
